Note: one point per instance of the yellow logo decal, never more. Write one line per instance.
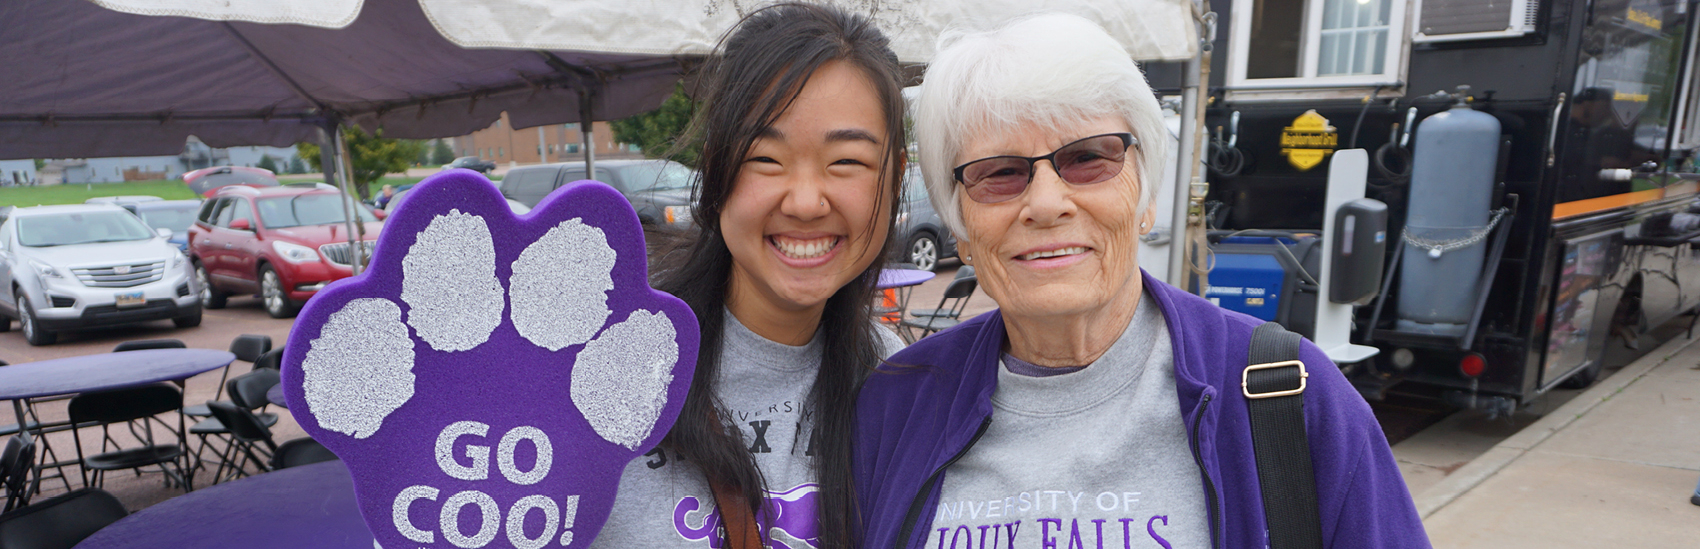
(1308, 141)
(1646, 19)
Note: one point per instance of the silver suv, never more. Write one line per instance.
(88, 266)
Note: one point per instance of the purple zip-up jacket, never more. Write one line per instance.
(915, 419)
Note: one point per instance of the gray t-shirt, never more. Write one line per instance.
(664, 501)
(1093, 458)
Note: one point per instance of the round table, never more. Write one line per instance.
(899, 278)
(275, 395)
(306, 506)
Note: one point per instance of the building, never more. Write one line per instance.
(17, 172)
(502, 144)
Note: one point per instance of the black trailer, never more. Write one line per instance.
(1597, 107)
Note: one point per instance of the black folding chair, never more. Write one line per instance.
(16, 461)
(967, 271)
(136, 404)
(248, 392)
(247, 435)
(61, 522)
(247, 348)
(298, 452)
(272, 360)
(946, 315)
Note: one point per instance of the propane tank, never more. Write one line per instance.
(1452, 172)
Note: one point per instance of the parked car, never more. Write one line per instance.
(206, 181)
(471, 163)
(122, 200)
(515, 205)
(282, 244)
(89, 266)
(923, 237)
(659, 190)
(172, 215)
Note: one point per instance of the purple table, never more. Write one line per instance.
(275, 395)
(901, 278)
(306, 506)
(102, 372)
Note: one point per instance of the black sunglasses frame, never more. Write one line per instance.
(1128, 142)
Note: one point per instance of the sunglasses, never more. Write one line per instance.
(1084, 162)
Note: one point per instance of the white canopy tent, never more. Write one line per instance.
(137, 77)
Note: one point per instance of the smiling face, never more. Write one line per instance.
(806, 215)
(1058, 249)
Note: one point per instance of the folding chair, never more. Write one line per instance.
(136, 404)
(967, 271)
(247, 434)
(946, 315)
(247, 347)
(16, 462)
(248, 392)
(61, 522)
(298, 452)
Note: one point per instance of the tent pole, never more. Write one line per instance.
(1179, 274)
(332, 151)
(587, 125)
(1189, 251)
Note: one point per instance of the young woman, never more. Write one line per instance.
(802, 152)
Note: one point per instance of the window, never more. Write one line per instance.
(308, 209)
(207, 208)
(501, 151)
(572, 148)
(81, 228)
(529, 186)
(1317, 43)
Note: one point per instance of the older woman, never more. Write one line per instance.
(1119, 419)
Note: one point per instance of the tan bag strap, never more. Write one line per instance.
(741, 529)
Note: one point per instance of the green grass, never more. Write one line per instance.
(169, 189)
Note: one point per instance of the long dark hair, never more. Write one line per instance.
(761, 66)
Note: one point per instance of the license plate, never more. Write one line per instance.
(131, 299)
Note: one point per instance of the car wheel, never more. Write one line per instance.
(32, 326)
(923, 251)
(278, 303)
(210, 298)
(190, 320)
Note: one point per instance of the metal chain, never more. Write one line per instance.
(1437, 247)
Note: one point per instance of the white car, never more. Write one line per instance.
(88, 266)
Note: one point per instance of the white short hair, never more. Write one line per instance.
(1053, 70)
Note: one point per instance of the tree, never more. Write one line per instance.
(297, 166)
(657, 132)
(39, 164)
(441, 154)
(371, 156)
(266, 163)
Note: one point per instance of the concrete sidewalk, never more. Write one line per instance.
(1613, 467)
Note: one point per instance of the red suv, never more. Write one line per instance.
(281, 244)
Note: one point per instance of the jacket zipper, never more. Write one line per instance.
(915, 507)
(1209, 487)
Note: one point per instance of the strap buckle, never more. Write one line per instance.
(1245, 379)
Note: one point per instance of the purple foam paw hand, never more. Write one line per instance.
(487, 379)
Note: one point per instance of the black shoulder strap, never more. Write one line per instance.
(1273, 384)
